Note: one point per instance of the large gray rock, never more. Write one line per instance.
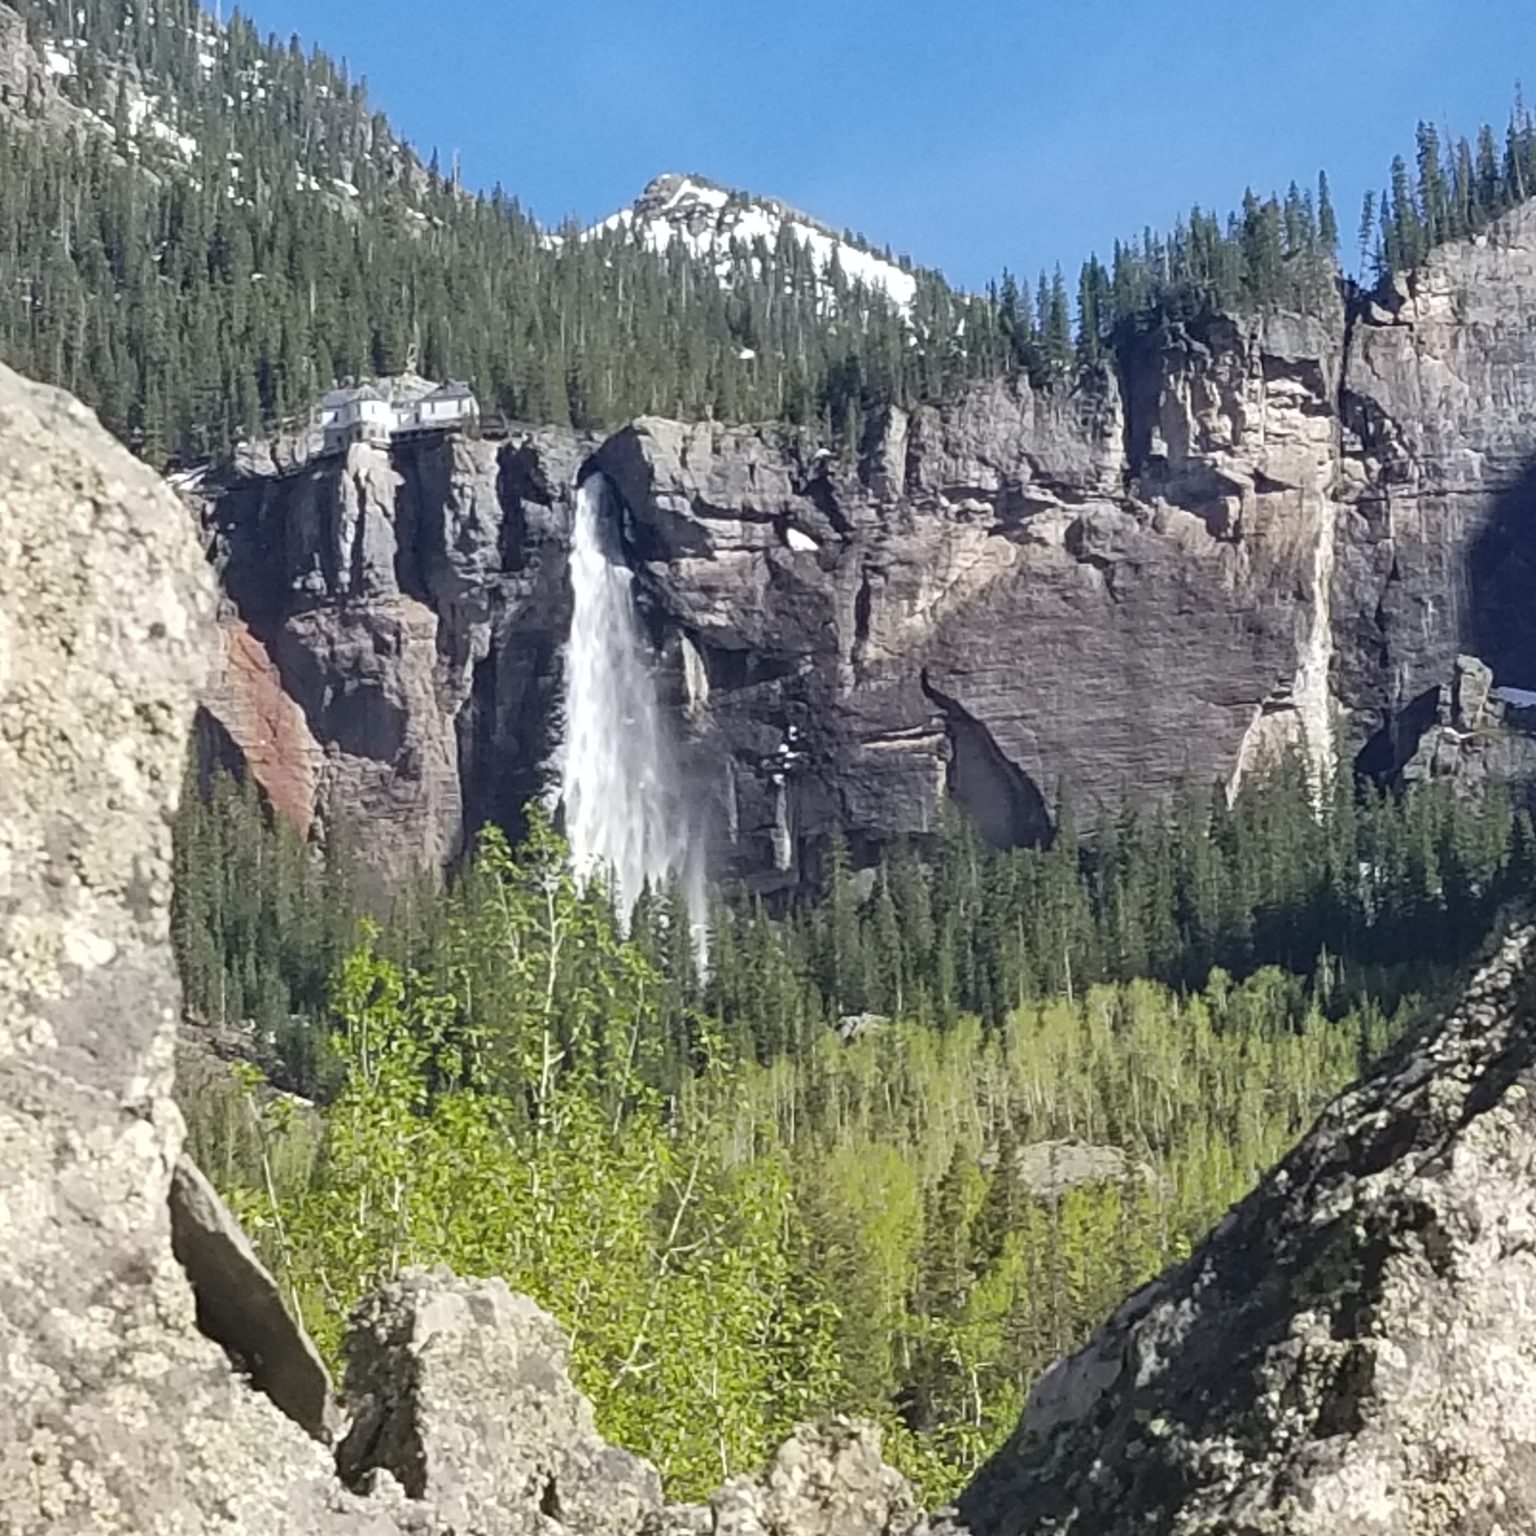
(240, 1306)
(116, 1414)
(1349, 1353)
(1049, 1169)
(460, 1390)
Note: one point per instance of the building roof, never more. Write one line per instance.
(452, 390)
(350, 393)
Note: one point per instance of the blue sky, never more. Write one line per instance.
(971, 136)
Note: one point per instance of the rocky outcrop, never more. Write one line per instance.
(1349, 1351)
(1004, 595)
(29, 87)
(1241, 537)
(1001, 595)
(1049, 1169)
(1466, 730)
(460, 1390)
(117, 1414)
(240, 1307)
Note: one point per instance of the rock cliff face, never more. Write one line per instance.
(390, 637)
(1243, 536)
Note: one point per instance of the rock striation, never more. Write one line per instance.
(1242, 536)
(390, 635)
(1349, 1352)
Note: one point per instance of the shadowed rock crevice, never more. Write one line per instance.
(1501, 568)
(999, 797)
(1384, 755)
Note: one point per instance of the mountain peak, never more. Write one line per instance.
(712, 220)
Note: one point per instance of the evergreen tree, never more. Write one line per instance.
(1327, 219)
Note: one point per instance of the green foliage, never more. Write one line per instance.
(1375, 893)
(495, 1116)
(745, 1219)
(259, 921)
(1452, 190)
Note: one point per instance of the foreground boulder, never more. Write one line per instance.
(1350, 1352)
(460, 1390)
(116, 1413)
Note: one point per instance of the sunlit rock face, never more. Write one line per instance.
(117, 1414)
(1242, 537)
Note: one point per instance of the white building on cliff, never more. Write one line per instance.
(448, 406)
(356, 415)
(365, 414)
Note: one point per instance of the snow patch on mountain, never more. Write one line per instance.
(710, 221)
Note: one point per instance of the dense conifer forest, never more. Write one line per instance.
(224, 225)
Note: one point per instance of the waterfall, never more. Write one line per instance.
(627, 817)
(1314, 686)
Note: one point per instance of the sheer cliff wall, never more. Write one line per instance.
(1247, 534)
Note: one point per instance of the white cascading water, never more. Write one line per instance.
(626, 815)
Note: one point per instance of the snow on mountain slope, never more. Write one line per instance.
(708, 219)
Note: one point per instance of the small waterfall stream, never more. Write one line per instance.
(627, 816)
